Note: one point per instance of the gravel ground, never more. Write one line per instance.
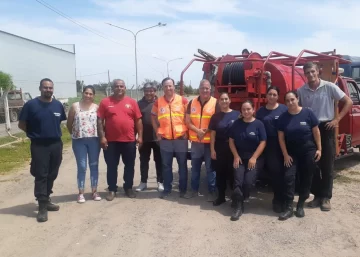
(149, 226)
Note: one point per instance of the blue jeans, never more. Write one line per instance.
(84, 147)
(127, 150)
(201, 152)
(168, 148)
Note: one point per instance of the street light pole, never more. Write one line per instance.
(135, 35)
(167, 63)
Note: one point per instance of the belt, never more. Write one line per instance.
(182, 137)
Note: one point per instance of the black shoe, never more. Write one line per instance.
(130, 193)
(51, 206)
(42, 215)
(288, 213)
(238, 211)
(300, 213)
(218, 201)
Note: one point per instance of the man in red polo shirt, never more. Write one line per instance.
(119, 119)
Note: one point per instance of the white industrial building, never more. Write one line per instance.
(28, 62)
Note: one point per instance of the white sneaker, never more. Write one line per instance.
(96, 196)
(81, 198)
(142, 186)
(160, 187)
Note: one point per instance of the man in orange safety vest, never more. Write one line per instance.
(199, 112)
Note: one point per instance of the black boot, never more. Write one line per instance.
(219, 200)
(288, 213)
(42, 215)
(51, 206)
(238, 210)
(300, 213)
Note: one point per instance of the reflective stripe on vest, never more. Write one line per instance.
(200, 118)
(171, 117)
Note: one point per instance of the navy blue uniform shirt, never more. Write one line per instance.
(270, 119)
(298, 128)
(221, 122)
(247, 136)
(43, 119)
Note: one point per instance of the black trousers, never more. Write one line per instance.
(304, 165)
(223, 166)
(127, 150)
(244, 179)
(322, 185)
(145, 152)
(274, 165)
(46, 158)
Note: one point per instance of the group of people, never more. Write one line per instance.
(291, 142)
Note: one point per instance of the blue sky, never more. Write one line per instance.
(221, 27)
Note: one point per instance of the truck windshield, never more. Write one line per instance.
(355, 74)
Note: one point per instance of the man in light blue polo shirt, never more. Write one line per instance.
(320, 96)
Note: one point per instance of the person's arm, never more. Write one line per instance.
(287, 158)
(154, 119)
(212, 144)
(340, 96)
(259, 150)
(237, 159)
(70, 120)
(23, 117)
(317, 138)
(101, 125)
(139, 129)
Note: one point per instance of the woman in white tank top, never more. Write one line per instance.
(82, 125)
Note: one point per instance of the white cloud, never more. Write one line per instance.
(172, 9)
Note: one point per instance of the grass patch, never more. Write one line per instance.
(345, 180)
(17, 154)
(7, 139)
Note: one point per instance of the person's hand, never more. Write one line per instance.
(332, 124)
(213, 155)
(158, 136)
(139, 142)
(317, 155)
(200, 134)
(288, 161)
(104, 143)
(237, 161)
(251, 163)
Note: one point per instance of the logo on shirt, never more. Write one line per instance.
(110, 106)
(193, 109)
(276, 117)
(162, 110)
(57, 114)
(252, 133)
(303, 123)
(128, 106)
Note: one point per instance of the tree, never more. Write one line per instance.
(6, 82)
(79, 85)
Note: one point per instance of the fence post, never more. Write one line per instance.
(6, 110)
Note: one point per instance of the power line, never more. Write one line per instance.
(77, 22)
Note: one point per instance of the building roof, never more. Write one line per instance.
(4, 32)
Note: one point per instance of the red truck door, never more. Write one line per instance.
(354, 94)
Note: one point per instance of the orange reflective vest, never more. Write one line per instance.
(171, 117)
(200, 117)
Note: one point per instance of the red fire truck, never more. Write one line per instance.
(247, 76)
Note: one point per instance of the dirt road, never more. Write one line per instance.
(149, 226)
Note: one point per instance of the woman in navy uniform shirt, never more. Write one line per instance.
(247, 142)
(273, 158)
(300, 142)
(222, 158)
